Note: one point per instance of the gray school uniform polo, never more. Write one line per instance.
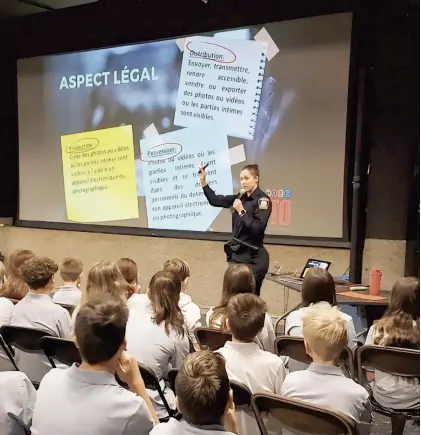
(391, 391)
(17, 400)
(150, 345)
(85, 402)
(6, 310)
(68, 295)
(40, 312)
(327, 386)
(174, 427)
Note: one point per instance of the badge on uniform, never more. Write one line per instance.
(263, 203)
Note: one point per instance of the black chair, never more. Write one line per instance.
(283, 317)
(242, 395)
(294, 348)
(69, 308)
(210, 338)
(297, 416)
(60, 349)
(172, 374)
(152, 383)
(396, 362)
(25, 339)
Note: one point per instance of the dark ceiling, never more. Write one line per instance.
(13, 8)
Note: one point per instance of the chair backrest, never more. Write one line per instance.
(69, 308)
(25, 339)
(152, 382)
(241, 393)
(210, 338)
(294, 348)
(300, 417)
(172, 374)
(61, 350)
(283, 318)
(393, 360)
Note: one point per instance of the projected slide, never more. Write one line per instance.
(124, 129)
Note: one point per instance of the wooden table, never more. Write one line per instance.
(367, 310)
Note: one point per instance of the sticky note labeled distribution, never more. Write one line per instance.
(99, 175)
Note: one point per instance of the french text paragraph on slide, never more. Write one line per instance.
(221, 81)
(174, 196)
(99, 175)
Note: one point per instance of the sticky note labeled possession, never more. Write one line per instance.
(99, 175)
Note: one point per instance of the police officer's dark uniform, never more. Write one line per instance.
(248, 228)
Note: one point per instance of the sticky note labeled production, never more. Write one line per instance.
(99, 175)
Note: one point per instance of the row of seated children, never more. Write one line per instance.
(163, 285)
(87, 398)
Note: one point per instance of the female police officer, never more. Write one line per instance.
(251, 212)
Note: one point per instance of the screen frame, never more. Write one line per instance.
(343, 242)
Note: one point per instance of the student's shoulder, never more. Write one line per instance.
(5, 303)
(138, 301)
(346, 317)
(354, 390)
(54, 377)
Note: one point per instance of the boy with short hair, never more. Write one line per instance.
(37, 310)
(323, 383)
(204, 398)
(190, 310)
(86, 398)
(71, 271)
(247, 363)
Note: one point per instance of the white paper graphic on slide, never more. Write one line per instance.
(221, 81)
(174, 196)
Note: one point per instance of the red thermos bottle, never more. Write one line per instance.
(375, 280)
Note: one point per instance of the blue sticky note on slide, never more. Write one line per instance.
(170, 162)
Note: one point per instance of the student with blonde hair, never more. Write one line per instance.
(70, 271)
(129, 270)
(156, 335)
(323, 383)
(204, 397)
(399, 327)
(238, 278)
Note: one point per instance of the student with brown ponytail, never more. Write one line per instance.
(251, 212)
(156, 333)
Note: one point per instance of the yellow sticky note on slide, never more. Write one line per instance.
(99, 175)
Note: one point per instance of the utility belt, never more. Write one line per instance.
(238, 247)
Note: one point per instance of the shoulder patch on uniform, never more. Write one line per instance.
(263, 203)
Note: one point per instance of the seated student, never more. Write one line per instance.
(37, 310)
(399, 327)
(128, 269)
(155, 333)
(104, 279)
(203, 397)
(71, 271)
(86, 398)
(14, 288)
(323, 383)
(190, 310)
(259, 370)
(17, 400)
(238, 279)
(318, 290)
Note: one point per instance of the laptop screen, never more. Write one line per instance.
(311, 263)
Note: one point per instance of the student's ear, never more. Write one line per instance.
(227, 325)
(124, 344)
(308, 348)
(176, 403)
(230, 403)
(186, 283)
(148, 293)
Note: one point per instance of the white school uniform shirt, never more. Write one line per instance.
(175, 427)
(40, 312)
(265, 338)
(6, 310)
(86, 402)
(68, 295)
(150, 345)
(327, 386)
(260, 371)
(394, 392)
(294, 323)
(17, 401)
(190, 310)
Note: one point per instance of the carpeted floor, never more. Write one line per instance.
(382, 426)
